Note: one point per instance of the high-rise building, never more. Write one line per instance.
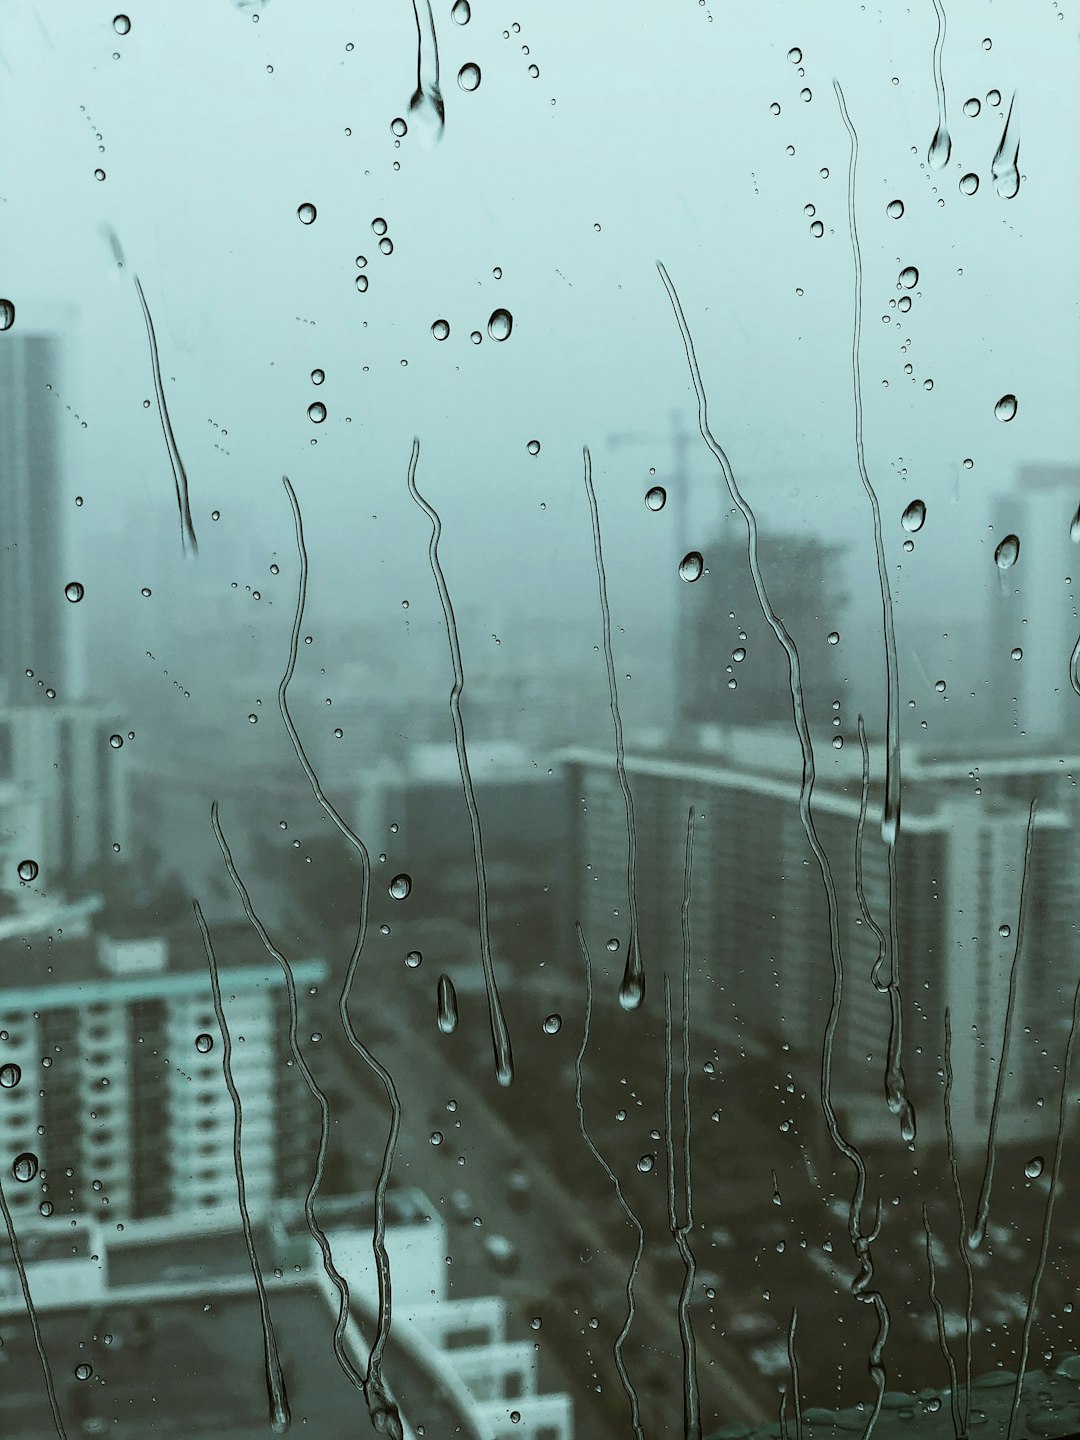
(31, 582)
(134, 1113)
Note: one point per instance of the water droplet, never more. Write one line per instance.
(940, 148)
(1005, 409)
(446, 1007)
(255, 720)
(306, 213)
(1016, 653)
(656, 497)
(435, 1138)
(894, 209)
(908, 277)
(1034, 1167)
(468, 77)
(1004, 931)
(414, 959)
(398, 127)
(378, 226)
(28, 869)
(45, 1209)
(833, 637)
(99, 174)
(817, 229)
(10, 1075)
(795, 55)
(7, 314)
(83, 1371)
(691, 566)
(613, 945)
(499, 325)
(121, 24)
(939, 686)
(461, 14)
(553, 1024)
(1005, 165)
(631, 989)
(25, 1167)
(972, 106)
(400, 886)
(533, 447)
(1074, 528)
(204, 1043)
(116, 741)
(988, 44)
(969, 183)
(318, 376)
(475, 337)
(904, 305)
(993, 97)
(440, 329)
(316, 412)
(386, 245)
(805, 95)
(361, 283)
(74, 591)
(645, 1163)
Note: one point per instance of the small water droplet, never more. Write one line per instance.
(1005, 409)
(10, 1075)
(83, 1371)
(74, 591)
(25, 1167)
(378, 226)
(1004, 931)
(121, 24)
(361, 283)
(28, 870)
(99, 174)
(972, 106)
(533, 447)
(440, 329)
(645, 1163)
(7, 314)
(939, 686)
(969, 183)
(656, 497)
(894, 209)
(461, 14)
(817, 229)
(553, 1024)
(806, 95)
(254, 719)
(316, 412)
(1034, 1167)
(318, 376)
(738, 655)
(833, 637)
(988, 44)
(475, 337)
(468, 76)
(940, 148)
(116, 741)
(499, 325)
(414, 959)
(993, 97)
(446, 1006)
(908, 277)
(1016, 653)
(399, 127)
(436, 1137)
(691, 566)
(795, 55)
(401, 886)
(306, 213)
(613, 945)
(386, 245)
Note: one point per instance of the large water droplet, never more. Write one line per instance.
(940, 148)
(74, 591)
(969, 183)
(204, 1043)
(908, 277)
(28, 869)
(461, 14)
(1005, 409)
(121, 24)
(25, 1167)
(10, 1075)
(83, 1371)
(7, 314)
(499, 325)
(795, 55)
(894, 209)
(414, 959)
(446, 1006)
(632, 989)
(691, 566)
(645, 1163)
(1034, 1167)
(656, 497)
(1005, 165)
(972, 106)
(914, 517)
(441, 329)
(400, 886)
(306, 213)
(316, 412)
(553, 1024)
(1007, 553)
(398, 127)
(468, 77)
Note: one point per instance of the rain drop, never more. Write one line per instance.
(817, 229)
(940, 149)
(909, 277)
(1074, 528)
(613, 945)
(316, 412)
(398, 127)
(83, 1371)
(121, 24)
(446, 1008)
(1016, 653)
(469, 76)
(972, 106)
(691, 566)
(1007, 553)
(25, 1167)
(204, 1044)
(499, 325)
(378, 226)
(533, 447)
(400, 886)
(74, 591)
(306, 213)
(7, 314)
(833, 637)
(1034, 1167)
(894, 209)
(461, 13)
(318, 376)
(553, 1024)
(1005, 409)
(645, 1163)
(440, 329)
(10, 1075)
(795, 55)
(28, 869)
(414, 959)
(116, 741)
(656, 497)
(969, 183)
(361, 283)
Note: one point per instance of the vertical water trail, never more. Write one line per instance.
(31, 1312)
(280, 1418)
(632, 989)
(860, 889)
(180, 480)
(793, 1365)
(381, 1408)
(860, 1243)
(1048, 1214)
(426, 104)
(939, 1316)
(691, 1403)
(1005, 166)
(982, 1210)
(941, 144)
(1074, 667)
(895, 1086)
(620, 1339)
(500, 1035)
(374, 1391)
(962, 1245)
(781, 1418)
